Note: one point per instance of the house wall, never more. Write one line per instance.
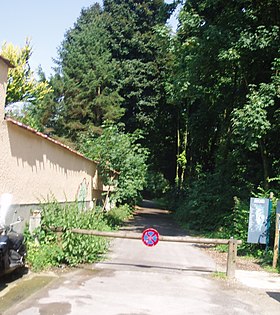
(31, 168)
(34, 167)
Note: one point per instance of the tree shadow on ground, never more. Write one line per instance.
(161, 220)
(153, 267)
(274, 295)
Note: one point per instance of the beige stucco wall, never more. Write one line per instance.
(32, 168)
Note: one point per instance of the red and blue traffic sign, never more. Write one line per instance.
(150, 237)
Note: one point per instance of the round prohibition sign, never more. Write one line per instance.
(150, 237)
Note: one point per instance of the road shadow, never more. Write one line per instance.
(151, 217)
(145, 203)
(152, 267)
(274, 295)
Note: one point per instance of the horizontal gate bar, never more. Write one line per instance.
(232, 243)
(138, 236)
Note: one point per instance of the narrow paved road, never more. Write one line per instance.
(168, 279)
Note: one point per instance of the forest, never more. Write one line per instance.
(192, 115)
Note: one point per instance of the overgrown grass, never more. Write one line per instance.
(118, 215)
(47, 249)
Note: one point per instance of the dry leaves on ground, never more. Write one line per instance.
(242, 263)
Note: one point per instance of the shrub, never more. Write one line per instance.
(70, 248)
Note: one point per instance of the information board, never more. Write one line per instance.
(258, 221)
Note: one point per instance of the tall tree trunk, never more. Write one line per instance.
(265, 164)
(178, 153)
(184, 165)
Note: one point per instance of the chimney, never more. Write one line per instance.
(4, 67)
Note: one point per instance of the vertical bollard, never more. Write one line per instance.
(231, 258)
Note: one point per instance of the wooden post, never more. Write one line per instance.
(231, 258)
(276, 241)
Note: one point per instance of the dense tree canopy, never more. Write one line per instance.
(227, 62)
(205, 99)
(113, 65)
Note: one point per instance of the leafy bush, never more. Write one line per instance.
(236, 222)
(203, 208)
(204, 203)
(122, 161)
(43, 256)
(69, 248)
(118, 215)
(156, 184)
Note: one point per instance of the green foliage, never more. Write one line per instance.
(205, 99)
(225, 87)
(22, 86)
(156, 184)
(238, 221)
(141, 45)
(251, 123)
(112, 66)
(219, 275)
(122, 161)
(84, 84)
(214, 86)
(77, 248)
(44, 256)
(68, 248)
(204, 203)
(117, 216)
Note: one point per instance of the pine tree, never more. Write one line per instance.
(87, 72)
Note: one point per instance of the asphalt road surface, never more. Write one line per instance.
(167, 279)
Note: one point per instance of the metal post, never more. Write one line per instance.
(276, 241)
(268, 221)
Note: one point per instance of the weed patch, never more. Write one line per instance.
(49, 249)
